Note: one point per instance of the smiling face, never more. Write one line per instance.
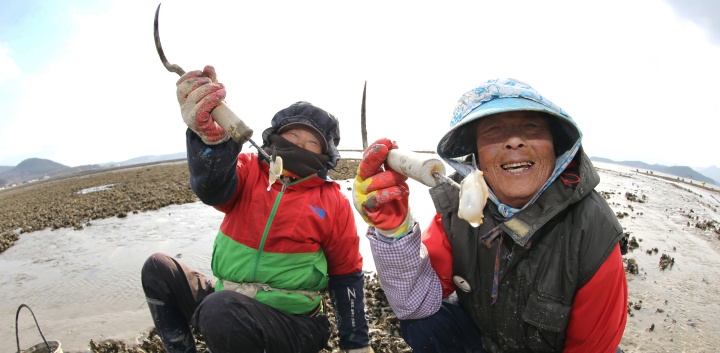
(304, 138)
(516, 155)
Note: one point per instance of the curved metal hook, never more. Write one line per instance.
(170, 67)
(235, 127)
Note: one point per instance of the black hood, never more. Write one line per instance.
(316, 118)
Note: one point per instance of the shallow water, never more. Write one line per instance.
(85, 285)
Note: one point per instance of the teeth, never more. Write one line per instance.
(517, 167)
(517, 170)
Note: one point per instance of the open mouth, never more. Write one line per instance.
(517, 167)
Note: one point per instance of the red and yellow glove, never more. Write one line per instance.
(380, 194)
(198, 93)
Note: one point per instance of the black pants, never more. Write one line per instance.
(230, 321)
(448, 330)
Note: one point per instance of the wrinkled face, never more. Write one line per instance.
(304, 138)
(516, 155)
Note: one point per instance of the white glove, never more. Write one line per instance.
(198, 93)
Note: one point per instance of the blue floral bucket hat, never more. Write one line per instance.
(500, 96)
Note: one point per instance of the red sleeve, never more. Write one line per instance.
(440, 253)
(342, 245)
(599, 312)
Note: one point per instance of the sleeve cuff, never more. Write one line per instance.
(393, 235)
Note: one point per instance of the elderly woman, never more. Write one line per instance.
(542, 273)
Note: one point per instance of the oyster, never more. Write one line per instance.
(473, 197)
(276, 168)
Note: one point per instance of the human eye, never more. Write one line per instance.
(536, 129)
(489, 130)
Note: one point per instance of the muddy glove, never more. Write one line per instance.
(198, 93)
(381, 194)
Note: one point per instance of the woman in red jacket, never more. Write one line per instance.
(282, 240)
(543, 272)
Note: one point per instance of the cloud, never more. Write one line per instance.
(106, 97)
(704, 13)
(8, 67)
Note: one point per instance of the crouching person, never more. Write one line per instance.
(280, 244)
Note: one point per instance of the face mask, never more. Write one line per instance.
(296, 159)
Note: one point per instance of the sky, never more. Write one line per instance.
(81, 82)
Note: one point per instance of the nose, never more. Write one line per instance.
(514, 141)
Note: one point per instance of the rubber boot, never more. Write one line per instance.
(172, 327)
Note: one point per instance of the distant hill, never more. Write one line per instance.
(40, 169)
(37, 169)
(680, 171)
(33, 168)
(712, 172)
(147, 159)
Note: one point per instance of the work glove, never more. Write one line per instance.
(380, 194)
(367, 349)
(198, 93)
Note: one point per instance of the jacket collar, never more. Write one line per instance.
(557, 197)
(294, 184)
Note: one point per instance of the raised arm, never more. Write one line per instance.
(212, 156)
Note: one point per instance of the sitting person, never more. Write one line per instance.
(280, 244)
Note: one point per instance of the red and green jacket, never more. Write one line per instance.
(288, 239)
(302, 238)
